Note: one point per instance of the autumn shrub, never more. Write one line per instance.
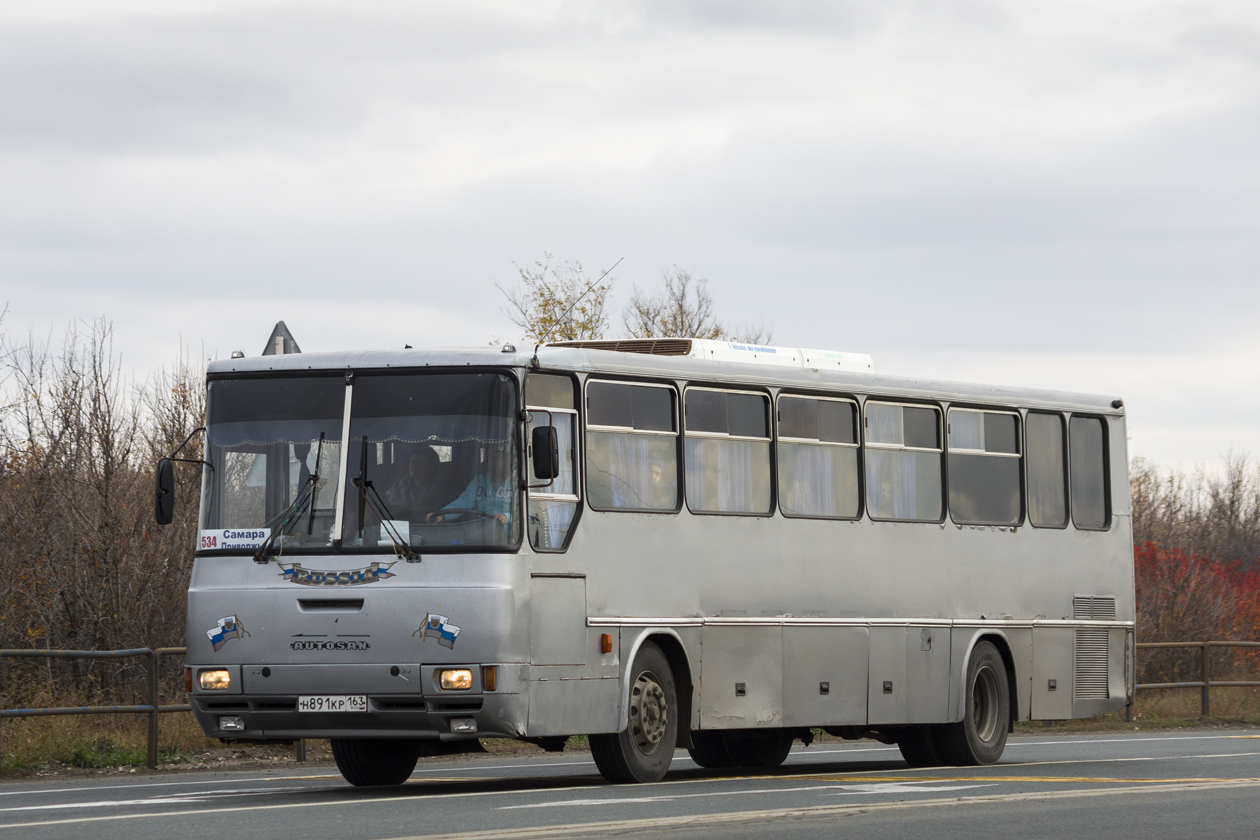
(1182, 597)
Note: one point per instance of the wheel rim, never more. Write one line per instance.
(984, 705)
(649, 715)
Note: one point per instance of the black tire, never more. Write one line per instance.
(980, 737)
(375, 762)
(708, 750)
(642, 752)
(918, 746)
(757, 749)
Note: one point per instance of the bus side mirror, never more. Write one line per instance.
(164, 492)
(545, 444)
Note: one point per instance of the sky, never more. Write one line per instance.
(1053, 194)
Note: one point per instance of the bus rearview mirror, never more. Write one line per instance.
(546, 447)
(164, 492)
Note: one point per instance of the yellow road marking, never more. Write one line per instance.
(1089, 780)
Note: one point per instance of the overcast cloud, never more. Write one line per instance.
(1042, 193)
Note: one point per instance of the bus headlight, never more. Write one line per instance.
(458, 679)
(217, 680)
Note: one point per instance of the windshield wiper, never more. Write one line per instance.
(369, 496)
(291, 514)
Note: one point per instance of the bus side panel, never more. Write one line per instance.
(741, 677)
(564, 706)
(927, 674)
(886, 693)
(824, 676)
(1052, 661)
(558, 611)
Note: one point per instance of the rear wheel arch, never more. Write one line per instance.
(1003, 646)
(999, 641)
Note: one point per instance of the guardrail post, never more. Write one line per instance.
(1207, 679)
(152, 757)
(301, 749)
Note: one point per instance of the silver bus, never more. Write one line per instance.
(657, 544)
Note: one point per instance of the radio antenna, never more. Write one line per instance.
(534, 361)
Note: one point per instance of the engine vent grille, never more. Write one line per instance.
(650, 346)
(1093, 652)
(1096, 609)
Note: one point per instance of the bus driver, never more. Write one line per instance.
(491, 491)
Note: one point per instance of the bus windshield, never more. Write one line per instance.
(274, 445)
(432, 463)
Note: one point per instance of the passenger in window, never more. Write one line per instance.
(491, 491)
(662, 491)
(419, 492)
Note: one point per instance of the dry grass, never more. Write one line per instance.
(92, 741)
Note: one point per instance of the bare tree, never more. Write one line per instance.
(1211, 516)
(82, 564)
(684, 309)
(558, 303)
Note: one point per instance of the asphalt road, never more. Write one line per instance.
(1178, 785)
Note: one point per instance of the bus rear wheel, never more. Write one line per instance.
(708, 750)
(757, 749)
(918, 746)
(980, 737)
(375, 762)
(643, 751)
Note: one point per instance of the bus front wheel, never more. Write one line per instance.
(364, 761)
(980, 737)
(643, 751)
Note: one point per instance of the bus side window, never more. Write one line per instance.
(984, 485)
(631, 447)
(727, 445)
(1047, 470)
(552, 504)
(818, 457)
(903, 462)
(1087, 441)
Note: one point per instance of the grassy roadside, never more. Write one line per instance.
(116, 744)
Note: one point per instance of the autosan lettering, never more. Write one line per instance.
(294, 573)
(340, 645)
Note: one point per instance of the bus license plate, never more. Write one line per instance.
(333, 703)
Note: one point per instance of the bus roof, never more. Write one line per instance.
(582, 359)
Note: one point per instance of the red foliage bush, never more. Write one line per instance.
(1182, 597)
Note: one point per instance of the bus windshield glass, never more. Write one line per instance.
(274, 449)
(432, 463)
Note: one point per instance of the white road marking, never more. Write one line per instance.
(902, 787)
(887, 787)
(177, 799)
(163, 784)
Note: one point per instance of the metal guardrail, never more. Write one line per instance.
(1206, 683)
(153, 708)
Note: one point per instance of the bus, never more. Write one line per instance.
(659, 544)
